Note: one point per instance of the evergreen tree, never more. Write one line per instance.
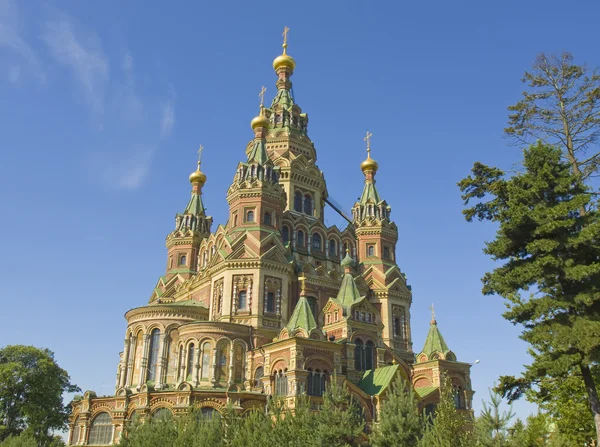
(548, 245)
(492, 424)
(448, 428)
(400, 423)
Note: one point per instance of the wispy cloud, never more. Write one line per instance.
(131, 105)
(168, 119)
(11, 39)
(124, 170)
(83, 55)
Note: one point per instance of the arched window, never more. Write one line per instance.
(315, 382)
(359, 359)
(190, 362)
(332, 248)
(223, 363)
(206, 351)
(267, 219)
(308, 204)
(182, 260)
(270, 302)
(238, 363)
(250, 216)
(285, 234)
(101, 430)
(309, 382)
(181, 363)
(209, 413)
(242, 300)
(162, 414)
(300, 239)
(281, 383)
(316, 241)
(371, 250)
(298, 201)
(153, 354)
(258, 374)
(76, 431)
(369, 355)
(458, 398)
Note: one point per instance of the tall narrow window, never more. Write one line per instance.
(359, 361)
(386, 252)
(308, 205)
(298, 201)
(458, 401)
(76, 431)
(206, 351)
(270, 302)
(369, 355)
(258, 374)
(281, 384)
(332, 248)
(397, 327)
(316, 241)
(309, 382)
(223, 363)
(242, 300)
(285, 234)
(300, 239)
(371, 250)
(267, 219)
(190, 362)
(180, 363)
(250, 216)
(153, 354)
(101, 430)
(238, 363)
(182, 260)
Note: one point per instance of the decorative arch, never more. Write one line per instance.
(279, 363)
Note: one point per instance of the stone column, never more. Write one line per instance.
(130, 361)
(230, 381)
(213, 378)
(265, 298)
(144, 361)
(278, 305)
(163, 348)
(249, 295)
(123, 366)
(181, 365)
(196, 367)
(234, 300)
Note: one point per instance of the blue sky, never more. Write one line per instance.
(104, 105)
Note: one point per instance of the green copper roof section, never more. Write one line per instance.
(347, 261)
(348, 293)
(283, 97)
(369, 194)
(434, 341)
(302, 318)
(425, 391)
(376, 381)
(258, 153)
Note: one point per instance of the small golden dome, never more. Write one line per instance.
(284, 60)
(260, 121)
(198, 176)
(369, 165)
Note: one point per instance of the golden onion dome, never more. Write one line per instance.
(284, 60)
(259, 121)
(198, 176)
(369, 165)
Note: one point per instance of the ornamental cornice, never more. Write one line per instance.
(167, 312)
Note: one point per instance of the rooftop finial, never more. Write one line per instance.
(198, 176)
(262, 96)
(367, 138)
(432, 308)
(286, 30)
(302, 285)
(200, 149)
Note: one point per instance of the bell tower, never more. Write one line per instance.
(377, 236)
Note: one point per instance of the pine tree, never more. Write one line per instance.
(547, 242)
(400, 423)
(492, 424)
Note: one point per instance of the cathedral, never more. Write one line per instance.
(273, 302)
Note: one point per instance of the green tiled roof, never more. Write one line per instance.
(258, 153)
(348, 293)
(302, 318)
(434, 341)
(375, 381)
(425, 391)
(370, 194)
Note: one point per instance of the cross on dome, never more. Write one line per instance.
(262, 96)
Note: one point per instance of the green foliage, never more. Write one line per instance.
(492, 424)
(26, 439)
(561, 107)
(547, 244)
(31, 389)
(400, 423)
(449, 428)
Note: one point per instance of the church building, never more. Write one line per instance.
(273, 302)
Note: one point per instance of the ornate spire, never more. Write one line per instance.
(370, 204)
(302, 317)
(260, 123)
(435, 343)
(194, 217)
(284, 60)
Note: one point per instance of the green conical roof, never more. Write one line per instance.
(195, 208)
(369, 194)
(283, 97)
(348, 293)
(258, 153)
(302, 318)
(434, 341)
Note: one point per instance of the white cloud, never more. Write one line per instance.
(130, 106)
(123, 170)
(83, 55)
(168, 119)
(14, 74)
(12, 39)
